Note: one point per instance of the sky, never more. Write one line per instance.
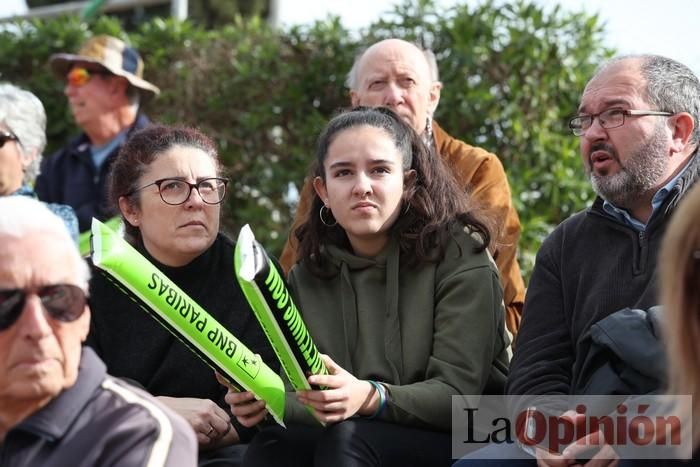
(666, 27)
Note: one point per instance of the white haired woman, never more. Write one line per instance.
(22, 141)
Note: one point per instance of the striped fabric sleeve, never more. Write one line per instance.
(161, 447)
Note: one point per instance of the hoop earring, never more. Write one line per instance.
(429, 128)
(323, 221)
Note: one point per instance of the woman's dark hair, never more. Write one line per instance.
(430, 205)
(140, 150)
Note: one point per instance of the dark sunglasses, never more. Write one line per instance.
(79, 76)
(62, 302)
(6, 136)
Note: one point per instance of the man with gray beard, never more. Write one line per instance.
(637, 124)
(639, 175)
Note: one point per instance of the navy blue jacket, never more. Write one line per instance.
(70, 177)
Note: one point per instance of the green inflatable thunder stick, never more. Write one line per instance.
(268, 296)
(84, 239)
(183, 317)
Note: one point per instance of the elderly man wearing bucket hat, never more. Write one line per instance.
(105, 89)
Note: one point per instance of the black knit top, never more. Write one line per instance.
(135, 346)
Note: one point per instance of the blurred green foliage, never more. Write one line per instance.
(512, 73)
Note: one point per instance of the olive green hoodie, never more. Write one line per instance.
(426, 332)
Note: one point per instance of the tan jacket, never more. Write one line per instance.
(482, 174)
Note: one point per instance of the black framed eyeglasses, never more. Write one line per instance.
(175, 191)
(611, 118)
(6, 136)
(62, 302)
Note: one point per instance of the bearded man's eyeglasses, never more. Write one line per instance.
(611, 118)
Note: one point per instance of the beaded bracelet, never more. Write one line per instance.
(382, 398)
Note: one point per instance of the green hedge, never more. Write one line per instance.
(512, 73)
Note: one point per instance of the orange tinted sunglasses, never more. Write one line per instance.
(79, 76)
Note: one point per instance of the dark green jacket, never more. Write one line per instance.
(427, 332)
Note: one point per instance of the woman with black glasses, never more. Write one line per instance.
(168, 187)
(22, 141)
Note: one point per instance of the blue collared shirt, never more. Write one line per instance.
(65, 212)
(624, 216)
(99, 153)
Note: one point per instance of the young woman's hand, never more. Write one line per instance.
(344, 397)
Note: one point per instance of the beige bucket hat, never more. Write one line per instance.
(112, 54)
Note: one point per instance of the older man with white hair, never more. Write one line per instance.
(57, 404)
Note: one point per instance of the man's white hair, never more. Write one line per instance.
(352, 79)
(21, 216)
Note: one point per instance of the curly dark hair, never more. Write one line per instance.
(140, 150)
(431, 205)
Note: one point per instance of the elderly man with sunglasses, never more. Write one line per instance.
(57, 404)
(105, 91)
